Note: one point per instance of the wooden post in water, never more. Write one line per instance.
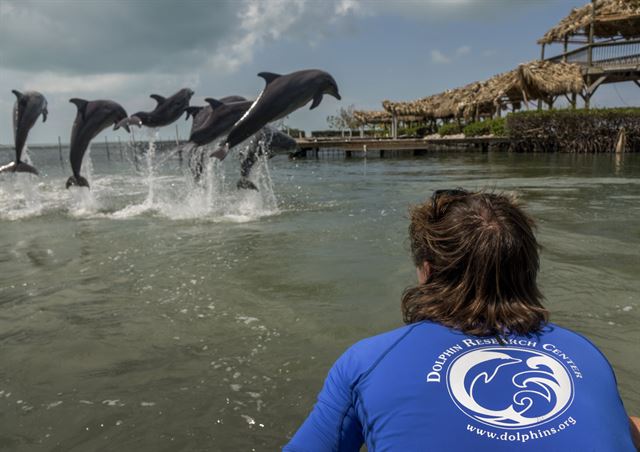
(541, 59)
(134, 148)
(120, 146)
(178, 144)
(106, 142)
(587, 99)
(60, 152)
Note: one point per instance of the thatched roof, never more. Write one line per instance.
(530, 81)
(363, 117)
(540, 79)
(492, 93)
(612, 18)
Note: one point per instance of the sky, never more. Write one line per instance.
(125, 50)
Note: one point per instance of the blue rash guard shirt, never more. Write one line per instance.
(425, 387)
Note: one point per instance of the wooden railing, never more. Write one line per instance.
(606, 54)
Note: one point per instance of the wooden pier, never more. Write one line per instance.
(404, 146)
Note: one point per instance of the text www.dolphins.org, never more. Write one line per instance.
(523, 437)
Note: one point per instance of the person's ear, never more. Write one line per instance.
(423, 272)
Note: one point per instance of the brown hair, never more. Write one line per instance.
(483, 259)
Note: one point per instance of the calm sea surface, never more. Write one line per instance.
(153, 315)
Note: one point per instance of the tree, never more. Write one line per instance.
(344, 119)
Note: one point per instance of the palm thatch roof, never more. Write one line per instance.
(541, 79)
(364, 117)
(492, 93)
(612, 18)
(371, 117)
(529, 81)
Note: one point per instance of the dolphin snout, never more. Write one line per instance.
(126, 122)
(122, 124)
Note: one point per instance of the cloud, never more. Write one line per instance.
(439, 58)
(463, 50)
(453, 10)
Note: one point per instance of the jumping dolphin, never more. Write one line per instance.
(167, 111)
(211, 122)
(28, 106)
(92, 118)
(282, 95)
(219, 121)
(202, 113)
(269, 142)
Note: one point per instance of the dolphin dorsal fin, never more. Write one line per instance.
(268, 76)
(17, 93)
(215, 103)
(81, 104)
(158, 98)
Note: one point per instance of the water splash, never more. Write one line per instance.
(151, 153)
(84, 201)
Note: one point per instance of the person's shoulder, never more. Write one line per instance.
(578, 339)
(553, 329)
(366, 353)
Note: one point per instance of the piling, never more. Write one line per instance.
(106, 142)
(120, 146)
(60, 152)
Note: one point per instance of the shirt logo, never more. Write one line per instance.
(510, 387)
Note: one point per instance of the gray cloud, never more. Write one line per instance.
(92, 37)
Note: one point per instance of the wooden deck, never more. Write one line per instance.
(400, 145)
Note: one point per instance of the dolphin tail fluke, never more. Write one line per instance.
(19, 167)
(78, 181)
(246, 184)
(25, 168)
(8, 168)
(221, 152)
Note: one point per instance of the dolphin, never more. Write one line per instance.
(211, 122)
(201, 114)
(28, 106)
(92, 118)
(220, 119)
(269, 142)
(167, 110)
(282, 95)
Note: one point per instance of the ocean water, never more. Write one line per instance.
(155, 314)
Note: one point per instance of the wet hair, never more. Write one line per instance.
(484, 262)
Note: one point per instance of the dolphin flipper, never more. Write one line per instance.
(316, 101)
(17, 93)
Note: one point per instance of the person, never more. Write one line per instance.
(478, 367)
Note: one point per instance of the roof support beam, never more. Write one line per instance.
(593, 87)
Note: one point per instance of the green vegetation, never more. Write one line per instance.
(590, 131)
(452, 128)
(415, 131)
(494, 127)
